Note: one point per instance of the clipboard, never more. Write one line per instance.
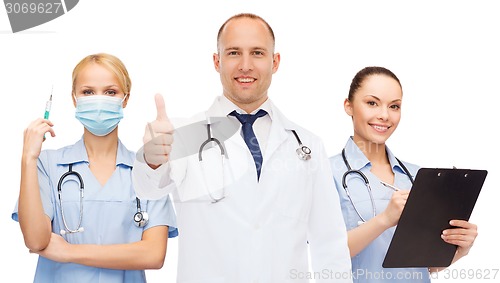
(437, 196)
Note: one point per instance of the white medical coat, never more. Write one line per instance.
(260, 231)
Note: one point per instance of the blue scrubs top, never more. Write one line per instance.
(367, 265)
(107, 212)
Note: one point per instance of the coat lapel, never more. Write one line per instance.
(278, 133)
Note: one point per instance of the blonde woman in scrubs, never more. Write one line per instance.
(107, 246)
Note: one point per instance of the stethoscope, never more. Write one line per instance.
(303, 152)
(367, 184)
(141, 218)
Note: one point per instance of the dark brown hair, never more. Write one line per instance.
(364, 73)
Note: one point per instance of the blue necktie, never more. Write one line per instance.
(246, 121)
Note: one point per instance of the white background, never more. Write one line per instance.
(446, 54)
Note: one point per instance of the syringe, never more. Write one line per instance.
(48, 105)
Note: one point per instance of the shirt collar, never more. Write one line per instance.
(124, 156)
(358, 160)
(73, 154)
(393, 160)
(227, 106)
(355, 157)
(77, 153)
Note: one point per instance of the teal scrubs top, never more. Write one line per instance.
(367, 265)
(108, 212)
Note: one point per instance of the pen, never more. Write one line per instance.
(48, 105)
(389, 186)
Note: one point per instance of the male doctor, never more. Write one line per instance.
(273, 204)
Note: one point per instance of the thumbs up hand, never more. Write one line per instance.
(158, 136)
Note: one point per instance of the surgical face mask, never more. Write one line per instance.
(99, 114)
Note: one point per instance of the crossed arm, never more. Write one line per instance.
(148, 253)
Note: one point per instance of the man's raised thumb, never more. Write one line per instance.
(161, 114)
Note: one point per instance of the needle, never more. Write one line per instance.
(389, 186)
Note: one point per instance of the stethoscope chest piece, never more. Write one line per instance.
(141, 218)
(304, 152)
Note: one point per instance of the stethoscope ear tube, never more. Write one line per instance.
(141, 218)
(70, 172)
(59, 192)
(344, 183)
(367, 183)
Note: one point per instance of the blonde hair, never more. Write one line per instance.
(110, 62)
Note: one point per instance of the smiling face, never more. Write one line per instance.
(375, 108)
(246, 62)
